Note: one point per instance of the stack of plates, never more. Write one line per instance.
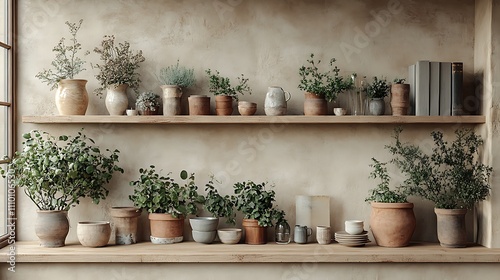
(351, 240)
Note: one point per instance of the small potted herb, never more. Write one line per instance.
(400, 97)
(173, 79)
(376, 92)
(224, 92)
(148, 103)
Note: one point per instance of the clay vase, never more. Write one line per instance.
(125, 223)
(400, 99)
(223, 105)
(254, 234)
(315, 105)
(93, 234)
(116, 99)
(376, 106)
(72, 97)
(166, 229)
(451, 229)
(52, 227)
(392, 224)
(171, 100)
(199, 105)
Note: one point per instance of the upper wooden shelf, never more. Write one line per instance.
(99, 119)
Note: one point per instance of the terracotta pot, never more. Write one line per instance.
(315, 105)
(392, 224)
(376, 106)
(52, 227)
(116, 99)
(125, 223)
(246, 108)
(72, 97)
(400, 99)
(254, 234)
(166, 229)
(223, 105)
(171, 100)
(451, 229)
(199, 105)
(149, 112)
(93, 234)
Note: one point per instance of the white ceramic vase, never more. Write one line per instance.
(116, 99)
(72, 97)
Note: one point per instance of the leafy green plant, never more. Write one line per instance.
(148, 101)
(160, 194)
(399, 81)
(218, 205)
(222, 85)
(382, 193)
(451, 176)
(379, 88)
(119, 65)
(255, 202)
(328, 84)
(177, 75)
(66, 64)
(56, 173)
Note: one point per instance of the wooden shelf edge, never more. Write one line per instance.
(105, 119)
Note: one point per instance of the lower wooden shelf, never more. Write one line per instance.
(191, 252)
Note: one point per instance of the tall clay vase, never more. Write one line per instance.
(400, 99)
(116, 99)
(52, 227)
(376, 106)
(166, 229)
(199, 105)
(315, 105)
(223, 105)
(72, 97)
(254, 234)
(171, 100)
(451, 229)
(392, 224)
(125, 223)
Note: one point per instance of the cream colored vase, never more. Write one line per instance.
(52, 227)
(171, 100)
(116, 99)
(72, 97)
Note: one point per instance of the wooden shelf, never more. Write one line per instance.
(191, 252)
(99, 119)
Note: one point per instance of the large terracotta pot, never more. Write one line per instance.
(125, 223)
(171, 100)
(52, 227)
(315, 105)
(400, 99)
(199, 105)
(116, 99)
(254, 234)
(392, 224)
(72, 97)
(223, 105)
(166, 229)
(451, 228)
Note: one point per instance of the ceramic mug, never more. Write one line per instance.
(323, 235)
(354, 226)
(301, 234)
(339, 111)
(131, 112)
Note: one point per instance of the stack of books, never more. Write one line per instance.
(436, 88)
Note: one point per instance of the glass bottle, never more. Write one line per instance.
(282, 232)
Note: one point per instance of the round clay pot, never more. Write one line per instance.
(392, 224)
(166, 229)
(116, 99)
(72, 97)
(229, 235)
(52, 227)
(171, 100)
(315, 105)
(246, 108)
(125, 223)
(451, 228)
(223, 105)
(199, 105)
(400, 99)
(376, 106)
(254, 234)
(93, 234)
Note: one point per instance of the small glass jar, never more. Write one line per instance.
(282, 232)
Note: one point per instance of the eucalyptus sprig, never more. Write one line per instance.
(222, 85)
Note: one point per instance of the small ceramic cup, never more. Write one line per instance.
(323, 235)
(354, 226)
(339, 111)
(131, 112)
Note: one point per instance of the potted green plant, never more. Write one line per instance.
(392, 220)
(451, 175)
(167, 202)
(71, 95)
(173, 79)
(56, 173)
(224, 92)
(400, 97)
(257, 205)
(376, 92)
(148, 103)
(117, 73)
(320, 87)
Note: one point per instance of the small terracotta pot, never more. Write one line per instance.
(149, 112)
(223, 105)
(400, 99)
(246, 108)
(254, 234)
(315, 105)
(199, 105)
(392, 224)
(451, 228)
(166, 229)
(52, 227)
(125, 223)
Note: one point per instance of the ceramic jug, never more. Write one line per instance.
(301, 233)
(275, 103)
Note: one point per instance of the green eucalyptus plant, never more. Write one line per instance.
(222, 85)
(66, 64)
(379, 88)
(177, 75)
(119, 65)
(147, 100)
(255, 202)
(382, 193)
(160, 194)
(56, 173)
(218, 205)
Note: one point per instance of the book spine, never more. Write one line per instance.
(434, 89)
(445, 89)
(422, 88)
(411, 81)
(457, 79)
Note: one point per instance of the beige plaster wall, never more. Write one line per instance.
(268, 41)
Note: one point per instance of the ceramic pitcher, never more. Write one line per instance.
(301, 233)
(275, 103)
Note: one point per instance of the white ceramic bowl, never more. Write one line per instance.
(206, 237)
(204, 223)
(229, 235)
(93, 234)
(354, 226)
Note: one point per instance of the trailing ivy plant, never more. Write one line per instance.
(56, 173)
(220, 85)
(379, 88)
(218, 205)
(177, 75)
(382, 193)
